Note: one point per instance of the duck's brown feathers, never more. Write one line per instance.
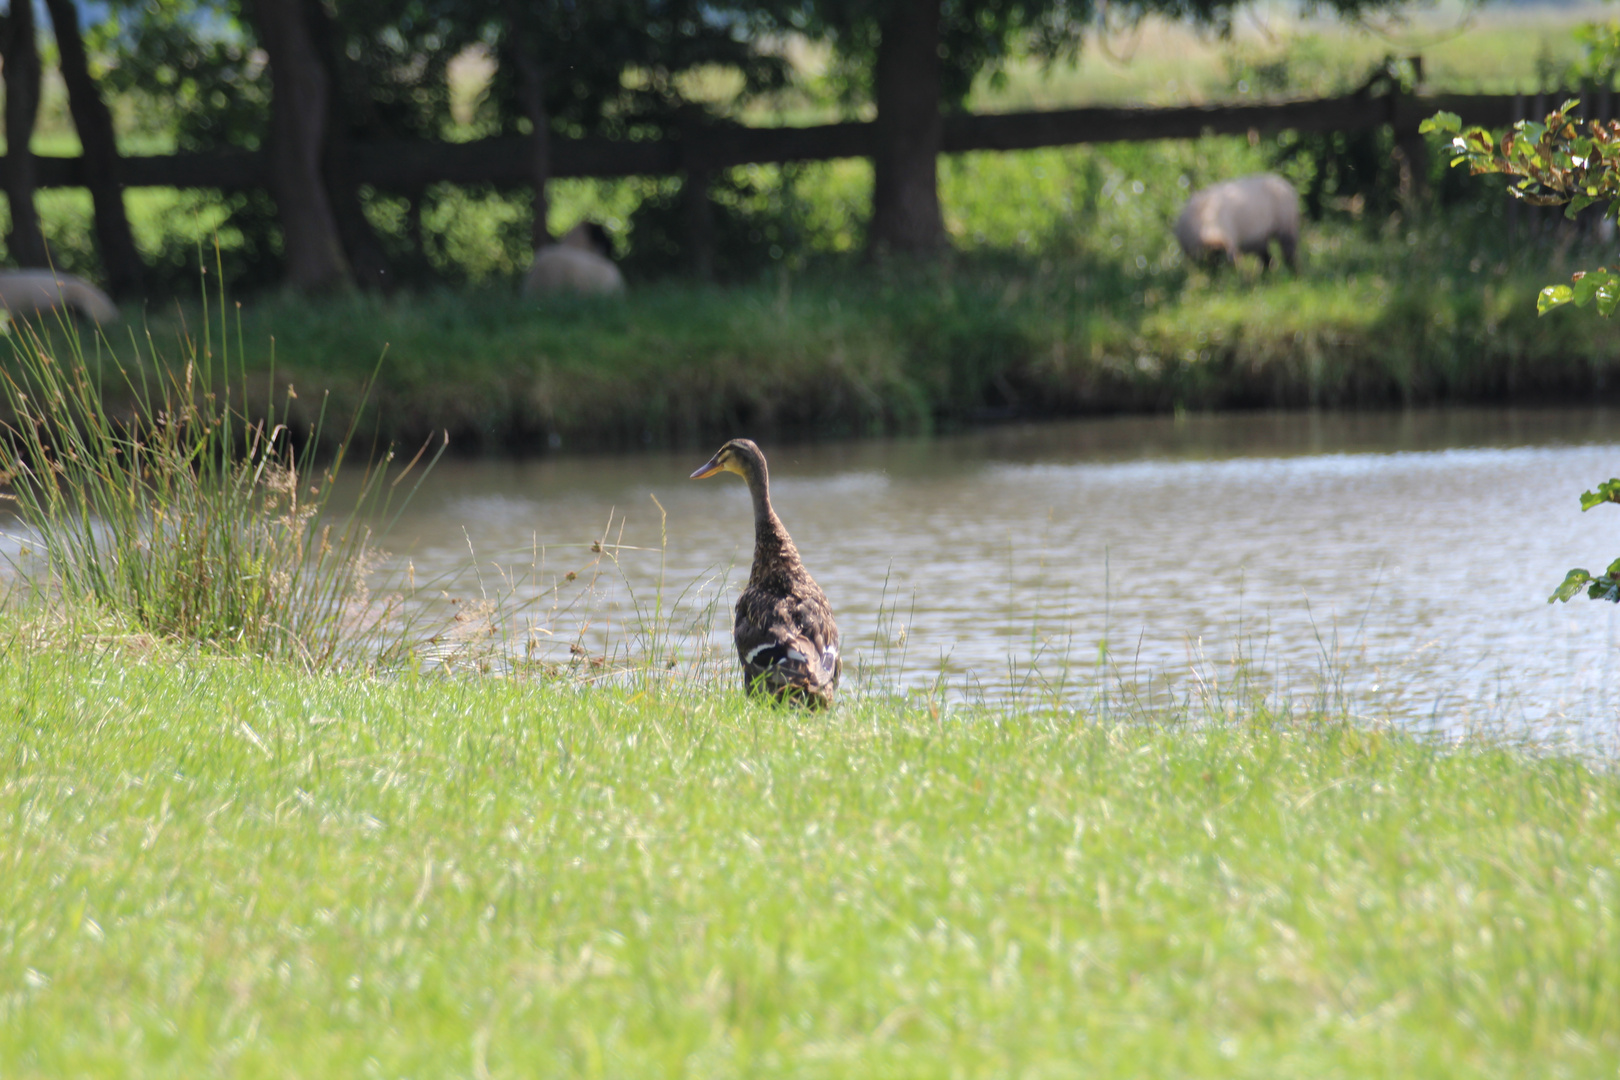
(786, 638)
(784, 629)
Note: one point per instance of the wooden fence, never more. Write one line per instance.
(504, 162)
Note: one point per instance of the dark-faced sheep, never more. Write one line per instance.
(29, 293)
(577, 263)
(1242, 215)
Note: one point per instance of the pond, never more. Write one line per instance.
(1404, 558)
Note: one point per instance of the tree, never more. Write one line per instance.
(615, 68)
(191, 71)
(102, 164)
(906, 214)
(609, 67)
(377, 70)
(917, 57)
(520, 49)
(298, 125)
(1561, 161)
(388, 61)
(21, 58)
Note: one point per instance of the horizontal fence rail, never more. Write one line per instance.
(507, 162)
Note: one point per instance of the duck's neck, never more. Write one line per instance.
(772, 545)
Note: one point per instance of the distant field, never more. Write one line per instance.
(1494, 50)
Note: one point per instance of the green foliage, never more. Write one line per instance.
(759, 218)
(1605, 586)
(187, 517)
(185, 70)
(390, 62)
(1606, 492)
(1599, 61)
(1560, 161)
(183, 75)
(1358, 170)
(1602, 285)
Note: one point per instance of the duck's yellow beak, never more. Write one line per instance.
(708, 470)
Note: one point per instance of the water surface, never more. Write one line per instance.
(1411, 553)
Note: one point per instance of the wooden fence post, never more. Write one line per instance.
(299, 86)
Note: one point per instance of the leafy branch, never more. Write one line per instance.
(1569, 162)
(1558, 162)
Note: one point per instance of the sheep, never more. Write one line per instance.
(577, 263)
(26, 293)
(1242, 215)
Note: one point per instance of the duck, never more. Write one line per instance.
(786, 637)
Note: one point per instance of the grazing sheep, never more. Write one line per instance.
(577, 263)
(1242, 215)
(28, 293)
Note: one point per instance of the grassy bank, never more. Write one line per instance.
(221, 867)
(1416, 318)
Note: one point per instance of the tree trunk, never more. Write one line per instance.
(368, 263)
(26, 242)
(367, 260)
(906, 217)
(532, 95)
(298, 114)
(103, 168)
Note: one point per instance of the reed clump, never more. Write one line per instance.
(182, 511)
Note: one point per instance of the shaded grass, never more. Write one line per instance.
(214, 867)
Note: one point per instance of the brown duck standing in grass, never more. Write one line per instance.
(786, 638)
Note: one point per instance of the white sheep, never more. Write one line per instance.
(30, 293)
(1242, 215)
(577, 263)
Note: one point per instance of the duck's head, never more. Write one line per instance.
(740, 456)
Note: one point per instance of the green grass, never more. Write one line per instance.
(225, 868)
